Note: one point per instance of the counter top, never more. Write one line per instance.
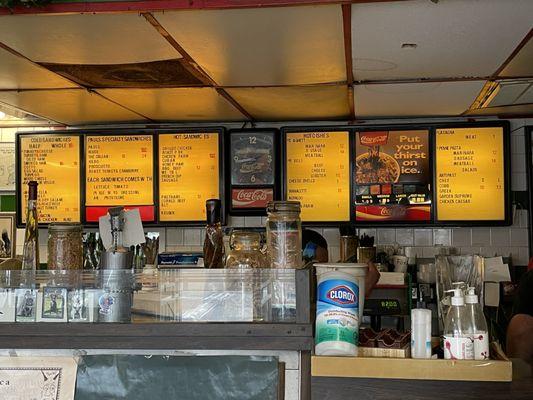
(415, 369)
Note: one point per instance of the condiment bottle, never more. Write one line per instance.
(30, 259)
(457, 342)
(214, 237)
(478, 332)
(245, 250)
(65, 246)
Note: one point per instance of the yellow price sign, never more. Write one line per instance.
(54, 162)
(318, 174)
(469, 174)
(188, 175)
(119, 170)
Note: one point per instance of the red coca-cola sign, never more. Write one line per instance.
(377, 138)
(251, 198)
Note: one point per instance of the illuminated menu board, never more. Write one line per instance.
(119, 171)
(54, 162)
(318, 174)
(189, 174)
(470, 174)
(392, 176)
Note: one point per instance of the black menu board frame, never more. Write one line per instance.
(295, 129)
(276, 168)
(505, 125)
(220, 131)
(18, 165)
(122, 132)
(430, 153)
(529, 173)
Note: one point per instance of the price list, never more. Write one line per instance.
(318, 174)
(189, 172)
(52, 161)
(119, 170)
(470, 174)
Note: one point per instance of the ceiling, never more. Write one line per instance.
(325, 61)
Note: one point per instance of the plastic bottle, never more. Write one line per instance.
(420, 333)
(457, 342)
(478, 325)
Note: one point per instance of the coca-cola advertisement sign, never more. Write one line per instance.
(251, 198)
(377, 138)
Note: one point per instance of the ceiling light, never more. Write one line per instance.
(2, 115)
(409, 46)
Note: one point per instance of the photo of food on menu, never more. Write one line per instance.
(392, 176)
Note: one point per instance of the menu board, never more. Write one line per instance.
(318, 174)
(119, 171)
(189, 174)
(54, 162)
(470, 174)
(253, 169)
(392, 176)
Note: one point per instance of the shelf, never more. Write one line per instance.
(397, 368)
(390, 286)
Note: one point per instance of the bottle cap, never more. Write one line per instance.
(213, 211)
(32, 190)
(457, 299)
(471, 297)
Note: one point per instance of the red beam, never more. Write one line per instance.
(161, 5)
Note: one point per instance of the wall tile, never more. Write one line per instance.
(500, 237)
(461, 237)
(174, 236)
(334, 253)
(470, 250)
(518, 162)
(488, 251)
(429, 252)
(518, 181)
(332, 236)
(252, 222)
(481, 236)
(523, 218)
(523, 254)
(191, 236)
(423, 237)
(518, 144)
(386, 236)
(519, 237)
(442, 237)
(405, 237)
(368, 231)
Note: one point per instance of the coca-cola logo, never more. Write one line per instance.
(247, 195)
(373, 138)
(251, 198)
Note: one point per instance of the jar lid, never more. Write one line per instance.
(64, 227)
(283, 206)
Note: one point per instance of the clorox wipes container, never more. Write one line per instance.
(339, 308)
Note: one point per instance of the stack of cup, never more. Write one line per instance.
(420, 333)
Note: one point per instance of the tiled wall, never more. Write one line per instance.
(489, 241)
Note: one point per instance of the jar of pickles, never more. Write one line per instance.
(65, 246)
(245, 251)
(284, 234)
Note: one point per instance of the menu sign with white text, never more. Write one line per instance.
(470, 174)
(54, 162)
(318, 174)
(189, 174)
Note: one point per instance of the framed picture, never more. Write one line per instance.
(80, 305)
(8, 235)
(52, 305)
(7, 166)
(26, 305)
(7, 305)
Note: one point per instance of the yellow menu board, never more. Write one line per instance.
(469, 174)
(119, 170)
(54, 162)
(318, 174)
(188, 175)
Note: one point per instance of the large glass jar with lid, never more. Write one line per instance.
(284, 234)
(65, 246)
(245, 251)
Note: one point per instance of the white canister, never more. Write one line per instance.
(340, 294)
(420, 333)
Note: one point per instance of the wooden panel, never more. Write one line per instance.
(396, 368)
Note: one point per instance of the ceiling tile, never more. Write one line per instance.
(415, 99)
(85, 38)
(69, 106)
(294, 103)
(517, 110)
(263, 46)
(18, 73)
(509, 93)
(178, 104)
(522, 63)
(453, 38)
(526, 97)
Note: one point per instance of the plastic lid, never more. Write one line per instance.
(284, 206)
(471, 297)
(54, 227)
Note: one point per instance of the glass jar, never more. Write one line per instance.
(65, 246)
(245, 251)
(284, 234)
